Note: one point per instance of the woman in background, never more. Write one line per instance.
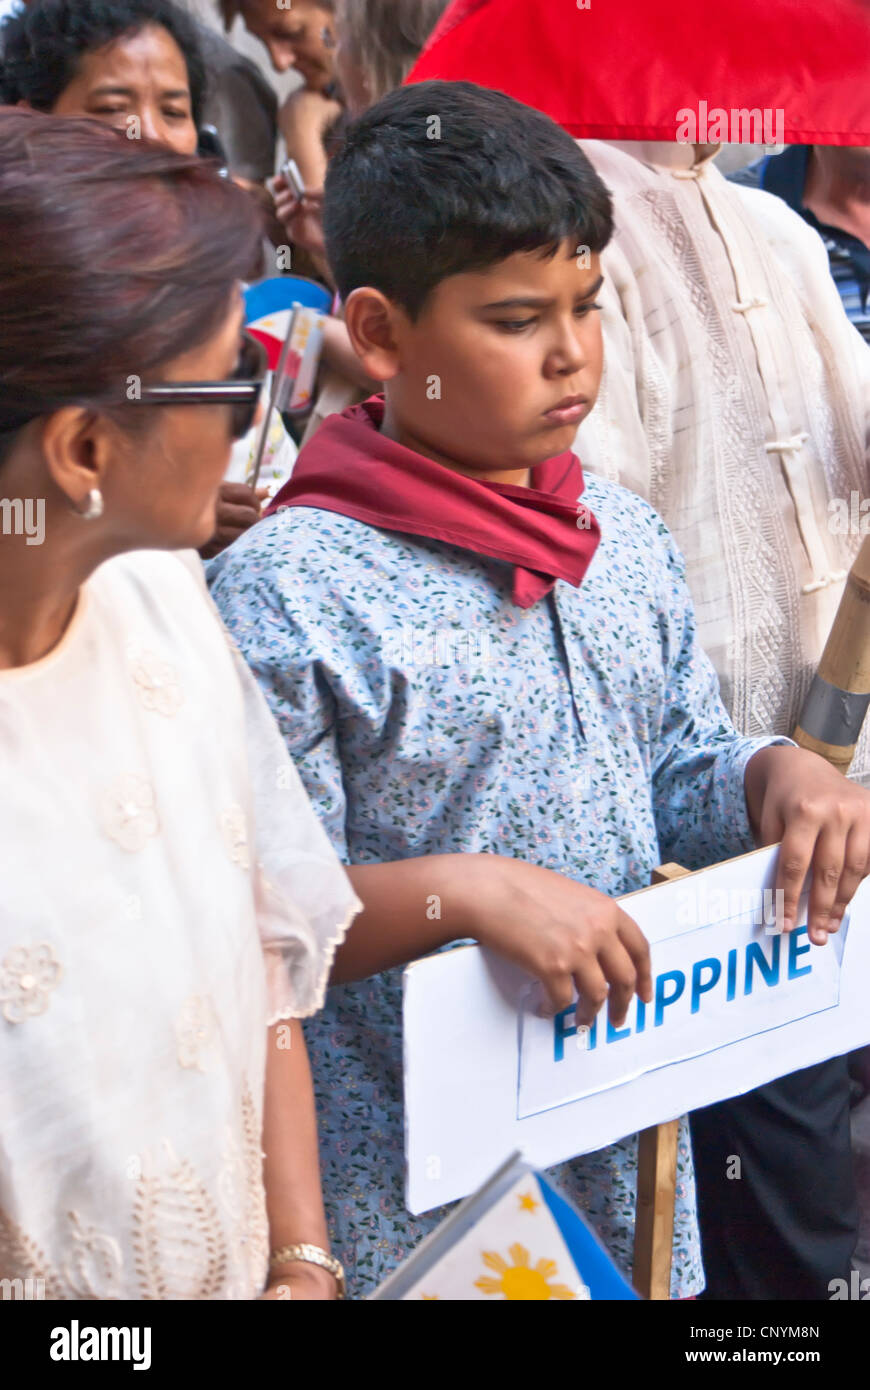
(302, 37)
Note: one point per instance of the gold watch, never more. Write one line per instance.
(312, 1255)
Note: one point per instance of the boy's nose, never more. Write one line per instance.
(567, 354)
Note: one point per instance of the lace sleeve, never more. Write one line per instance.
(305, 902)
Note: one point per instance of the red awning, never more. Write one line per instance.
(633, 69)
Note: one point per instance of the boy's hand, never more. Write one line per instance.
(823, 821)
(574, 939)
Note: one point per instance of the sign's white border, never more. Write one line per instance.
(461, 1053)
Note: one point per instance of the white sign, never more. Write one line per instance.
(736, 1004)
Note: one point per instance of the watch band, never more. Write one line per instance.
(312, 1255)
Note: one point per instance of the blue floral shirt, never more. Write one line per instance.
(427, 714)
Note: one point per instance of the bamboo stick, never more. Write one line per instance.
(656, 1187)
(833, 712)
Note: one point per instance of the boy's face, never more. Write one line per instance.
(502, 364)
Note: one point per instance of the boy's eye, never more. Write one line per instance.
(583, 309)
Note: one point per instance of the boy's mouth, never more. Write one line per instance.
(568, 411)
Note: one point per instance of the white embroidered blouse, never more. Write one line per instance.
(735, 399)
(157, 848)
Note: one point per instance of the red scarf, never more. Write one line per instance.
(350, 468)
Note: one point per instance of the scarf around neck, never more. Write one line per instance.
(544, 531)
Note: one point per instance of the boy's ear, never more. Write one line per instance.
(373, 323)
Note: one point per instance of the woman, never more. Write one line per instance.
(156, 839)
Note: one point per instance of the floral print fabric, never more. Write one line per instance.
(427, 714)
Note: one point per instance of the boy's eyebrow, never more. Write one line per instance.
(537, 301)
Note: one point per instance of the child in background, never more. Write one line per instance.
(468, 650)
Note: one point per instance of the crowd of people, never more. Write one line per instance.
(229, 796)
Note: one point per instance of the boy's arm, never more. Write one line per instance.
(573, 939)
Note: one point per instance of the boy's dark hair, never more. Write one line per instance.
(408, 204)
(41, 48)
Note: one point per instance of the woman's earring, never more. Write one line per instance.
(93, 508)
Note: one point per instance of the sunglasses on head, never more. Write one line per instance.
(241, 392)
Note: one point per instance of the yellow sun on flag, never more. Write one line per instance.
(518, 1282)
(527, 1202)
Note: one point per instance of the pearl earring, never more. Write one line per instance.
(93, 508)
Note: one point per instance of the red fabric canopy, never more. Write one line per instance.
(627, 69)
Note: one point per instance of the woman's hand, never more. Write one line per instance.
(823, 821)
(301, 218)
(238, 508)
(570, 937)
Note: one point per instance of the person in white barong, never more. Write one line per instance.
(736, 399)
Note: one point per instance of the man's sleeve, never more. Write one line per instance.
(699, 759)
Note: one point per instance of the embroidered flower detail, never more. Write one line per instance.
(93, 1269)
(194, 1030)
(235, 833)
(127, 812)
(157, 683)
(27, 977)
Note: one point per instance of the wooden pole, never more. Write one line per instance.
(656, 1187)
(833, 713)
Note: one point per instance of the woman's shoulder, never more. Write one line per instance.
(151, 573)
(156, 591)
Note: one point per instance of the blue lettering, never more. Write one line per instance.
(663, 999)
(732, 977)
(640, 1024)
(560, 1032)
(698, 988)
(769, 969)
(794, 950)
(614, 1034)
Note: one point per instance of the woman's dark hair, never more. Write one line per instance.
(43, 46)
(444, 177)
(116, 256)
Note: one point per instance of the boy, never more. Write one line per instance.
(463, 652)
